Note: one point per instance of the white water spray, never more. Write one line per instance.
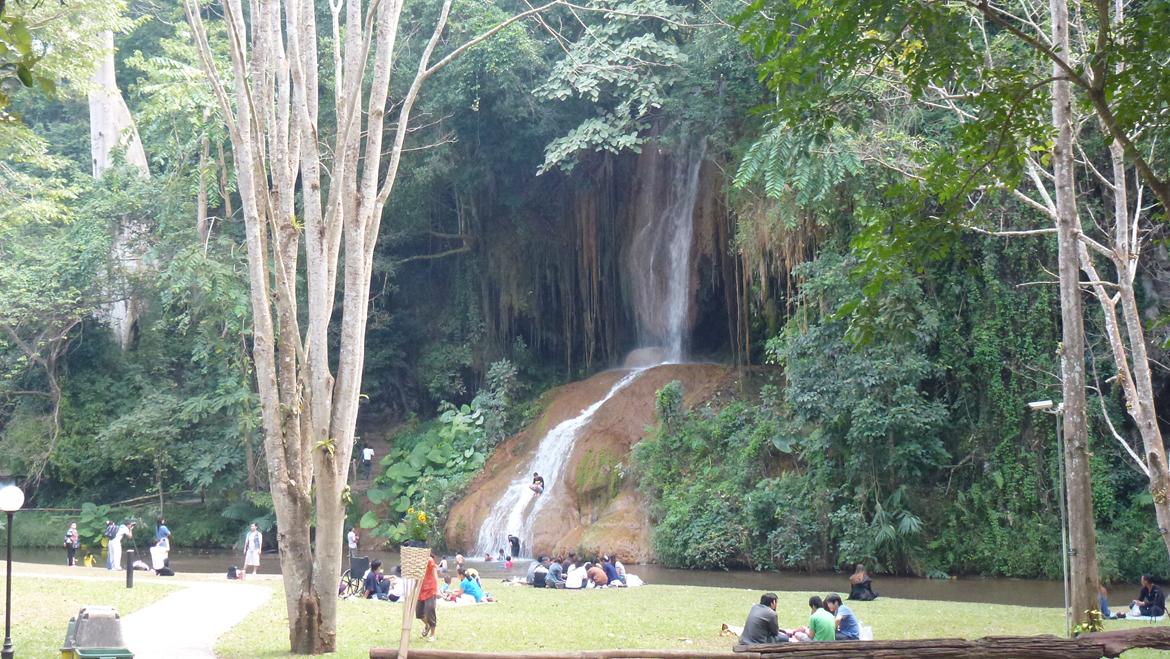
(515, 512)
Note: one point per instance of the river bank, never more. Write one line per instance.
(1023, 592)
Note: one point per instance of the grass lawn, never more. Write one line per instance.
(42, 606)
(678, 617)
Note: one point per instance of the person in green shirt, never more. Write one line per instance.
(822, 625)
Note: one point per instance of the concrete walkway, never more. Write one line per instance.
(186, 624)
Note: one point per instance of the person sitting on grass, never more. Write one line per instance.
(596, 575)
(538, 572)
(470, 586)
(576, 577)
(374, 586)
(847, 628)
(821, 624)
(860, 585)
(611, 574)
(1151, 601)
(762, 625)
(556, 574)
(1103, 604)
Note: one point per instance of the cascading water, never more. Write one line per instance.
(658, 272)
(515, 511)
(658, 263)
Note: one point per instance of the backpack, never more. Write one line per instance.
(111, 531)
(233, 572)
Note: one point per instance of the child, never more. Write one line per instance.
(508, 562)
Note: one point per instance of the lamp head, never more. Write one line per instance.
(1040, 405)
(11, 498)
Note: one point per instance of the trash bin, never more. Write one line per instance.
(103, 653)
(95, 633)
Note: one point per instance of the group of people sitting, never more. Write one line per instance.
(830, 620)
(561, 572)
(1150, 602)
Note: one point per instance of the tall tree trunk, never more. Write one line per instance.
(112, 129)
(1082, 533)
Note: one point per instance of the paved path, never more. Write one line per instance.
(168, 629)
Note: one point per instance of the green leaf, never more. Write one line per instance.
(369, 520)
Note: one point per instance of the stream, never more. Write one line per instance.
(1024, 592)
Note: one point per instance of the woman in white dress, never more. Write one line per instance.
(252, 544)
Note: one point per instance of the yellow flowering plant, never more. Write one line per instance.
(416, 525)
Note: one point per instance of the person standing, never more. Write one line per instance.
(351, 539)
(160, 553)
(72, 542)
(253, 542)
(108, 534)
(162, 535)
(428, 596)
(367, 462)
(125, 530)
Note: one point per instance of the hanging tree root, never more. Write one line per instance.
(1085, 646)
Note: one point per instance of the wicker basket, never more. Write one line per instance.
(414, 561)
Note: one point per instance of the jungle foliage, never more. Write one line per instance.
(894, 349)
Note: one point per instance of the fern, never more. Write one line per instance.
(797, 166)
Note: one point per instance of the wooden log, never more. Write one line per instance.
(1086, 646)
(1120, 640)
(427, 653)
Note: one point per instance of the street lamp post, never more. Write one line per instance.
(11, 499)
(1056, 410)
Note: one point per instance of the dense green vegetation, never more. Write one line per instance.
(899, 346)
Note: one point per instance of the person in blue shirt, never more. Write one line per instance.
(162, 536)
(611, 572)
(848, 628)
(373, 585)
(470, 586)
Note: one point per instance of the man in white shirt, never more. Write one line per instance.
(351, 539)
(367, 462)
(125, 530)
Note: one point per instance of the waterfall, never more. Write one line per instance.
(658, 278)
(658, 263)
(515, 512)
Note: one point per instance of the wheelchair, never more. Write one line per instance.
(350, 584)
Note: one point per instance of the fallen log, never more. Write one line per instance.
(1085, 646)
(426, 653)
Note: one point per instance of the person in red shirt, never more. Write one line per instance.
(428, 593)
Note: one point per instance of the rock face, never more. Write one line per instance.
(596, 506)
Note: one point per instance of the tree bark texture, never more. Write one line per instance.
(1082, 533)
(112, 129)
(308, 410)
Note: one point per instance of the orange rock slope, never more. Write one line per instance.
(596, 507)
